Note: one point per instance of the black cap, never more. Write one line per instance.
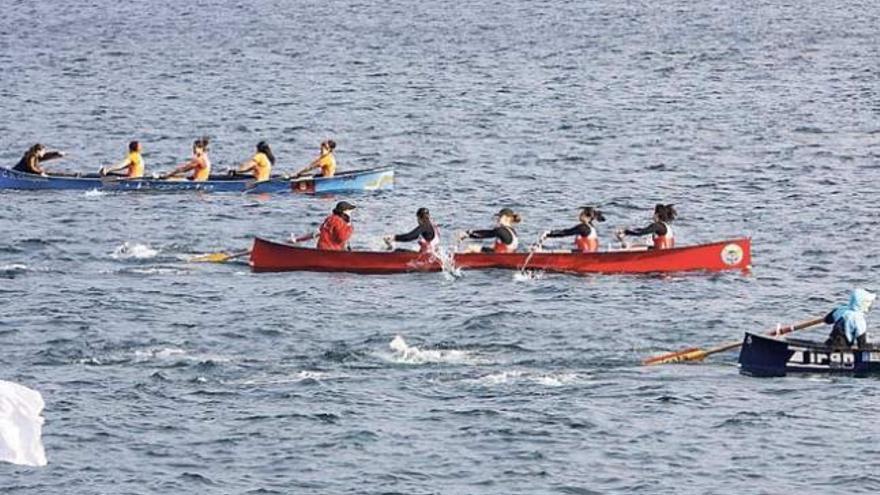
(505, 212)
(344, 206)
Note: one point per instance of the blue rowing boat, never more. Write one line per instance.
(371, 179)
(772, 356)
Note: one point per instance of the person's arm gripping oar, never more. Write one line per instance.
(697, 354)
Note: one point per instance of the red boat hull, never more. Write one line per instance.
(268, 256)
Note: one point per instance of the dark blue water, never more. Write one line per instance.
(164, 376)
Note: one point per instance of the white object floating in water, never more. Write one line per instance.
(21, 425)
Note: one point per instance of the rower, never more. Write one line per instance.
(133, 163)
(36, 154)
(586, 240)
(335, 231)
(260, 165)
(660, 229)
(426, 233)
(506, 240)
(326, 161)
(849, 323)
(199, 164)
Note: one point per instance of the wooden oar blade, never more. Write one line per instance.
(692, 354)
(211, 258)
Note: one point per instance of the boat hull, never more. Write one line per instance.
(353, 181)
(269, 256)
(773, 357)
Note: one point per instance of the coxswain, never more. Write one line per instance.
(326, 161)
(660, 229)
(586, 240)
(506, 240)
(426, 233)
(36, 154)
(334, 233)
(199, 164)
(133, 165)
(260, 165)
(850, 328)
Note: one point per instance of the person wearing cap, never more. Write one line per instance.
(586, 240)
(850, 328)
(36, 154)
(506, 240)
(337, 228)
(426, 233)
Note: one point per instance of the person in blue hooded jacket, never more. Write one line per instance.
(849, 323)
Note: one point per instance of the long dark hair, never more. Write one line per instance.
(665, 213)
(592, 213)
(263, 147)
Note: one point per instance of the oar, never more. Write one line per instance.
(697, 354)
(532, 250)
(219, 257)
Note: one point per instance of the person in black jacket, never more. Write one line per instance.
(36, 154)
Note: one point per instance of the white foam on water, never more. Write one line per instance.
(521, 376)
(14, 268)
(527, 275)
(21, 425)
(94, 193)
(177, 354)
(300, 376)
(404, 353)
(137, 251)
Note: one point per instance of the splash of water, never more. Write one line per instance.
(404, 353)
(134, 251)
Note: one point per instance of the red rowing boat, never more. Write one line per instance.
(268, 256)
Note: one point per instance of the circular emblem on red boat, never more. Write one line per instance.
(732, 254)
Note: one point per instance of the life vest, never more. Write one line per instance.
(500, 247)
(426, 246)
(664, 241)
(135, 165)
(334, 233)
(587, 243)
(203, 169)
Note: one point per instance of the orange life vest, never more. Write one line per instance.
(587, 243)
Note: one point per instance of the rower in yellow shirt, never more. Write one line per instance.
(260, 165)
(133, 163)
(325, 161)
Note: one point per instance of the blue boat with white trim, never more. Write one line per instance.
(371, 179)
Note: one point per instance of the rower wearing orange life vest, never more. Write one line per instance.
(260, 165)
(586, 240)
(326, 161)
(426, 233)
(133, 163)
(199, 164)
(334, 233)
(660, 229)
(506, 240)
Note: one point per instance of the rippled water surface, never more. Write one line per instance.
(164, 376)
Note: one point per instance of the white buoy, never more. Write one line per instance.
(21, 425)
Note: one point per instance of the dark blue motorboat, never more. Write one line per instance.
(768, 356)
